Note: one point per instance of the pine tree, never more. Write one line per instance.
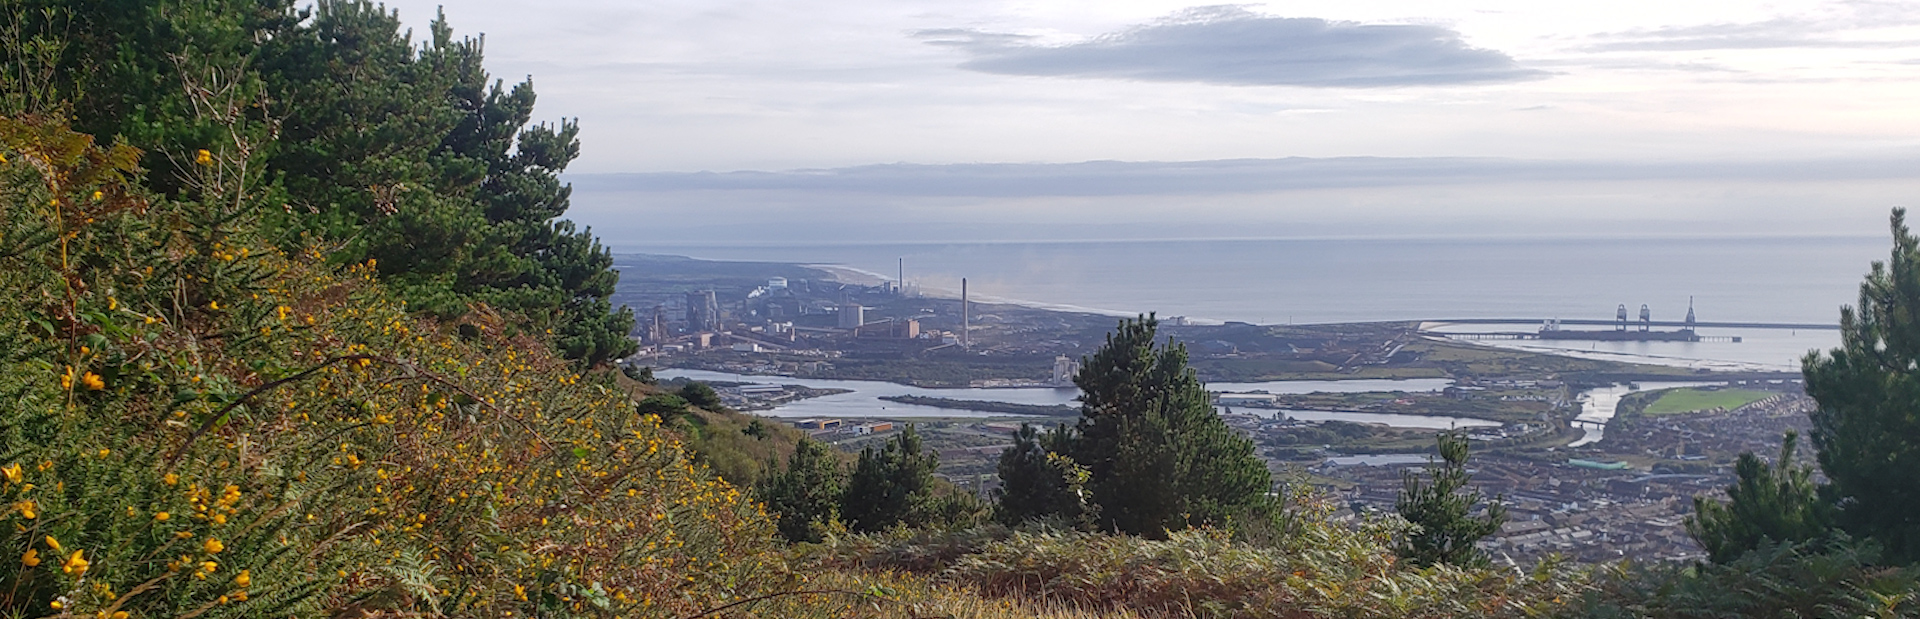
(806, 497)
(1443, 511)
(372, 148)
(1867, 426)
(1776, 504)
(1039, 481)
(890, 486)
(700, 394)
(1159, 455)
(429, 167)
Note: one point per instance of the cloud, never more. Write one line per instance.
(1775, 34)
(1229, 45)
(1833, 30)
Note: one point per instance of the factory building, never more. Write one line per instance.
(852, 315)
(1064, 369)
(902, 329)
(703, 311)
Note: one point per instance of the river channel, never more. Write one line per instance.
(863, 398)
(1598, 405)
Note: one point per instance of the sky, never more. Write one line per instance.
(850, 121)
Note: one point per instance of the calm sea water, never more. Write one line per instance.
(1309, 281)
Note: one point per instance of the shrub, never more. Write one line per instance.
(202, 426)
(664, 406)
(1321, 569)
(701, 394)
(1837, 577)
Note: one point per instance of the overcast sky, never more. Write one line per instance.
(834, 121)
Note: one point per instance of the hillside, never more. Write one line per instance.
(292, 325)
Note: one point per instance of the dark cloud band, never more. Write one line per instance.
(1229, 45)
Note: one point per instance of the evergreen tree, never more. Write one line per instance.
(700, 394)
(1765, 504)
(1160, 457)
(1443, 511)
(1037, 479)
(126, 66)
(806, 497)
(429, 167)
(1867, 426)
(370, 146)
(893, 485)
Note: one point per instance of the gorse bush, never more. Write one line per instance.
(199, 425)
(386, 148)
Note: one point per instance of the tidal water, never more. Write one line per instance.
(863, 398)
(1787, 279)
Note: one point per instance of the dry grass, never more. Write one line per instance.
(857, 594)
(1320, 568)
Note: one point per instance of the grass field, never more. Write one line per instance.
(1694, 399)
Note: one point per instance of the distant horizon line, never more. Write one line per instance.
(635, 248)
(1891, 155)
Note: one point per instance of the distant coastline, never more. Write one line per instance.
(1288, 284)
(851, 275)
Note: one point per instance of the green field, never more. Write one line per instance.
(1694, 399)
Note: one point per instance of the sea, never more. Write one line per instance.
(1298, 281)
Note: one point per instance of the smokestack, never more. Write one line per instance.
(966, 318)
(900, 285)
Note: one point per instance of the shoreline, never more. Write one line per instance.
(1711, 365)
(865, 277)
(870, 278)
(849, 275)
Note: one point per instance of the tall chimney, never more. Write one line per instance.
(966, 317)
(900, 285)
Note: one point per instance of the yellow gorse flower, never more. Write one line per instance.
(244, 579)
(204, 157)
(53, 543)
(93, 381)
(26, 511)
(14, 473)
(76, 565)
(32, 558)
(214, 546)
